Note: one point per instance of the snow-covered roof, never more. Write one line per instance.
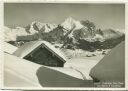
(30, 46)
(8, 48)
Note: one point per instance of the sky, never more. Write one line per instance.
(103, 15)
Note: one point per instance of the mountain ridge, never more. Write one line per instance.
(71, 33)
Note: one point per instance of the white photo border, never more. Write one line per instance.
(62, 1)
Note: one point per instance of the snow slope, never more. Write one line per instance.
(83, 65)
(22, 73)
(19, 72)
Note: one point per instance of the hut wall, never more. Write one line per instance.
(45, 57)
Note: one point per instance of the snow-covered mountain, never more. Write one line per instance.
(8, 35)
(30, 30)
(70, 23)
(11, 34)
(110, 33)
(71, 33)
(36, 27)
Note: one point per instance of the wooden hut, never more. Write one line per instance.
(41, 52)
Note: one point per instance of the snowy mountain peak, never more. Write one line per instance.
(70, 20)
(47, 27)
(70, 23)
(36, 26)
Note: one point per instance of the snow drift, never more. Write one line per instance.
(22, 73)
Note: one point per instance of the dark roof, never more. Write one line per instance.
(112, 66)
(27, 48)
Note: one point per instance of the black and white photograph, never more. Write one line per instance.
(64, 45)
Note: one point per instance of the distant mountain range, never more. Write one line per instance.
(71, 33)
